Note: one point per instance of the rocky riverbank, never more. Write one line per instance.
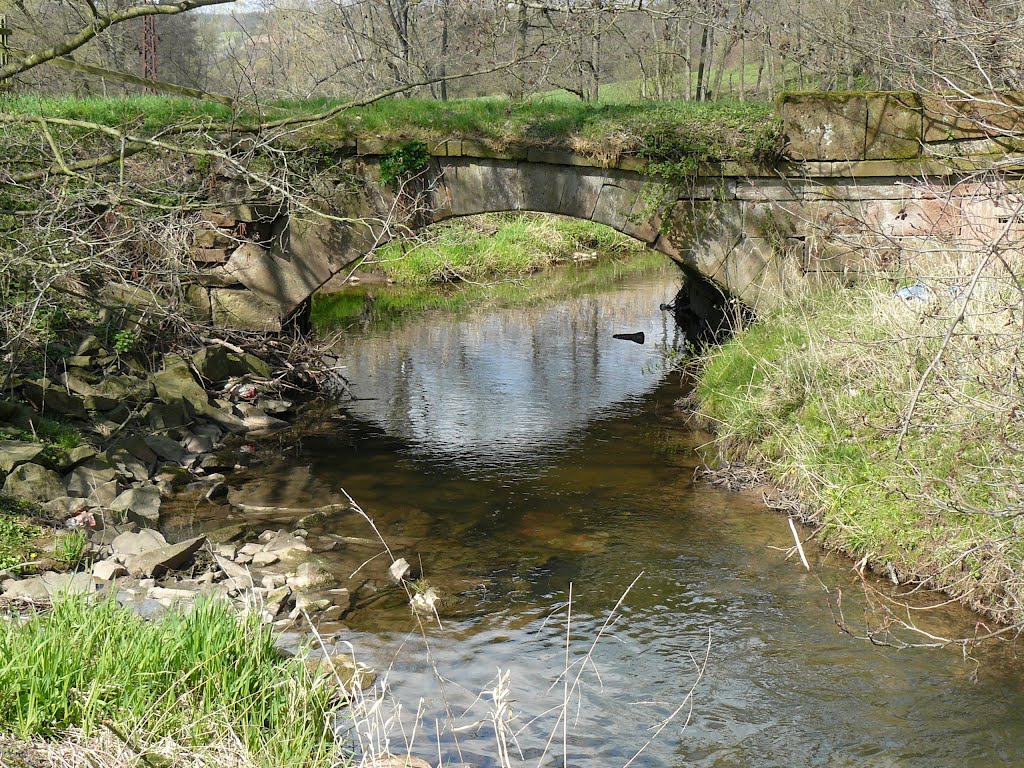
(97, 506)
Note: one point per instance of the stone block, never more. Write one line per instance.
(562, 157)
(374, 146)
(759, 272)
(544, 185)
(579, 199)
(614, 205)
(770, 189)
(825, 126)
(894, 126)
(218, 218)
(852, 254)
(210, 255)
(282, 284)
(480, 186)
(198, 299)
(206, 238)
(955, 117)
(250, 213)
(478, 149)
(243, 310)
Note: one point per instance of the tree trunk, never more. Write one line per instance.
(701, 63)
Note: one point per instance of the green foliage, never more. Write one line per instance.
(17, 532)
(404, 162)
(125, 341)
(813, 393)
(70, 548)
(200, 677)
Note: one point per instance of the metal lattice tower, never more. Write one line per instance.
(149, 40)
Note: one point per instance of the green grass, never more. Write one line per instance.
(495, 246)
(196, 679)
(17, 533)
(725, 130)
(377, 306)
(814, 393)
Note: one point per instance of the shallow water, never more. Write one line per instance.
(514, 455)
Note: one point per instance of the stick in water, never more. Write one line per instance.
(799, 547)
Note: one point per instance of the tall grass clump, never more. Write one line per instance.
(900, 428)
(191, 680)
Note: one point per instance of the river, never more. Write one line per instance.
(517, 456)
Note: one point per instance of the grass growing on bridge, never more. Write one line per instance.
(661, 131)
(814, 395)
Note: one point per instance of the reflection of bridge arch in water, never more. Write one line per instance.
(509, 381)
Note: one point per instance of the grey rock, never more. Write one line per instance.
(132, 543)
(51, 585)
(158, 561)
(168, 595)
(193, 443)
(84, 479)
(107, 570)
(164, 447)
(164, 416)
(276, 600)
(105, 494)
(64, 507)
(257, 420)
(34, 482)
(263, 559)
(90, 346)
(133, 458)
(141, 504)
(341, 598)
(77, 456)
(311, 603)
(47, 397)
(176, 383)
(14, 453)
(150, 610)
(310, 576)
(238, 577)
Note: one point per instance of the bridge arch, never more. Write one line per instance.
(753, 231)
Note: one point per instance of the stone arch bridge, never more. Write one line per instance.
(870, 180)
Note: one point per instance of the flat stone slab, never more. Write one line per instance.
(158, 561)
(51, 585)
(132, 543)
(14, 453)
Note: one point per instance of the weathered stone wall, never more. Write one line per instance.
(871, 179)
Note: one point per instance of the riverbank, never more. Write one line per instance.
(897, 435)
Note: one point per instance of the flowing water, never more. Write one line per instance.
(517, 456)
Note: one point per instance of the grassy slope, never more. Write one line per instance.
(814, 394)
(662, 131)
(202, 681)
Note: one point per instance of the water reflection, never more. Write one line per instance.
(509, 382)
(517, 454)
